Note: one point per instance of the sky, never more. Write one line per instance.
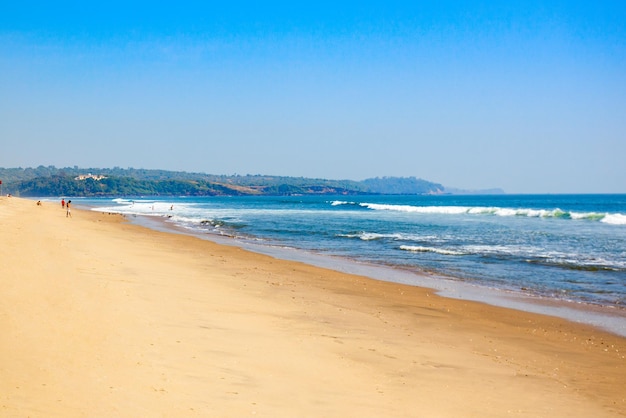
(527, 96)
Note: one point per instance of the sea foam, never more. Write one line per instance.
(614, 219)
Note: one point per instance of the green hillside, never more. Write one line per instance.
(88, 182)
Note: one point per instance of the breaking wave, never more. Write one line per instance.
(527, 254)
(608, 218)
(421, 249)
(373, 236)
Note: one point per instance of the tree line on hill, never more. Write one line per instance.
(93, 182)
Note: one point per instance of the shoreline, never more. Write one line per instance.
(608, 318)
(101, 317)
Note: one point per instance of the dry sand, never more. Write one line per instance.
(101, 318)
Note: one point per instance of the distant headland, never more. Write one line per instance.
(102, 182)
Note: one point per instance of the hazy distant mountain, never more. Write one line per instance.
(402, 185)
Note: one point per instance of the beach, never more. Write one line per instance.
(103, 318)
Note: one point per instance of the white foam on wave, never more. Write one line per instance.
(591, 216)
(530, 253)
(614, 219)
(371, 236)
(422, 249)
(340, 202)
(485, 211)
(577, 261)
(453, 210)
(531, 213)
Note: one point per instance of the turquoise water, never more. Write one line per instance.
(564, 247)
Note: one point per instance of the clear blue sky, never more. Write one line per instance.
(529, 95)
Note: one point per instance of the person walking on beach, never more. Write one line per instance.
(68, 213)
(63, 203)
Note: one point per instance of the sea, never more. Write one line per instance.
(562, 255)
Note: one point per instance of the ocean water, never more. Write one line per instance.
(557, 247)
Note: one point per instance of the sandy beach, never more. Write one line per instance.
(102, 318)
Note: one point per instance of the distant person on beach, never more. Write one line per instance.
(62, 203)
(68, 213)
(39, 203)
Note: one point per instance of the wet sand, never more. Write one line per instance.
(102, 318)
